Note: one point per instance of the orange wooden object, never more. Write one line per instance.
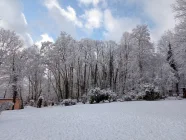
(17, 104)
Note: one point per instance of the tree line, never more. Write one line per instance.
(69, 68)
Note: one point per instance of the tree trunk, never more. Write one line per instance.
(71, 81)
(177, 89)
(66, 89)
(111, 70)
(21, 98)
(14, 82)
(85, 77)
(115, 80)
(95, 76)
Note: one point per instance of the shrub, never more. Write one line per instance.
(112, 95)
(84, 99)
(69, 102)
(93, 95)
(73, 102)
(39, 102)
(127, 98)
(151, 92)
(97, 95)
(45, 103)
(32, 103)
(91, 100)
(130, 96)
(66, 102)
(120, 100)
(52, 104)
(139, 96)
(146, 92)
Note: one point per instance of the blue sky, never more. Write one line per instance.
(41, 20)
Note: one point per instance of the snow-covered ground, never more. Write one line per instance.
(159, 120)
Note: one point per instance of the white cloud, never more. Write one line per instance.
(94, 18)
(45, 37)
(97, 17)
(115, 27)
(69, 14)
(160, 12)
(91, 2)
(12, 18)
(29, 39)
(24, 19)
(63, 19)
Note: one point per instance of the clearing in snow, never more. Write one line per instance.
(158, 120)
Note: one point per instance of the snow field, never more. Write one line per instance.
(157, 120)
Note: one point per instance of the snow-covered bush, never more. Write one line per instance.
(120, 100)
(151, 92)
(45, 103)
(127, 98)
(32, 103)
(174, 98)
(73, 102)
(39, 102)
(145, 92)
(66, 102)
(94, 95)
(51, 103)
(130, 96)
(139, 96)
(112, 95)
(41, 97)
(5, 106)
(84, 99)
(179, 98)
(69, 102)
(97, 95)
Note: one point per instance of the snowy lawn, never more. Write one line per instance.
(159, 120)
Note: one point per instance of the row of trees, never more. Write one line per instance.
(172, 47)
(69, 68)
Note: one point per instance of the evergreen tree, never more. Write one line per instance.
(172, 63)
